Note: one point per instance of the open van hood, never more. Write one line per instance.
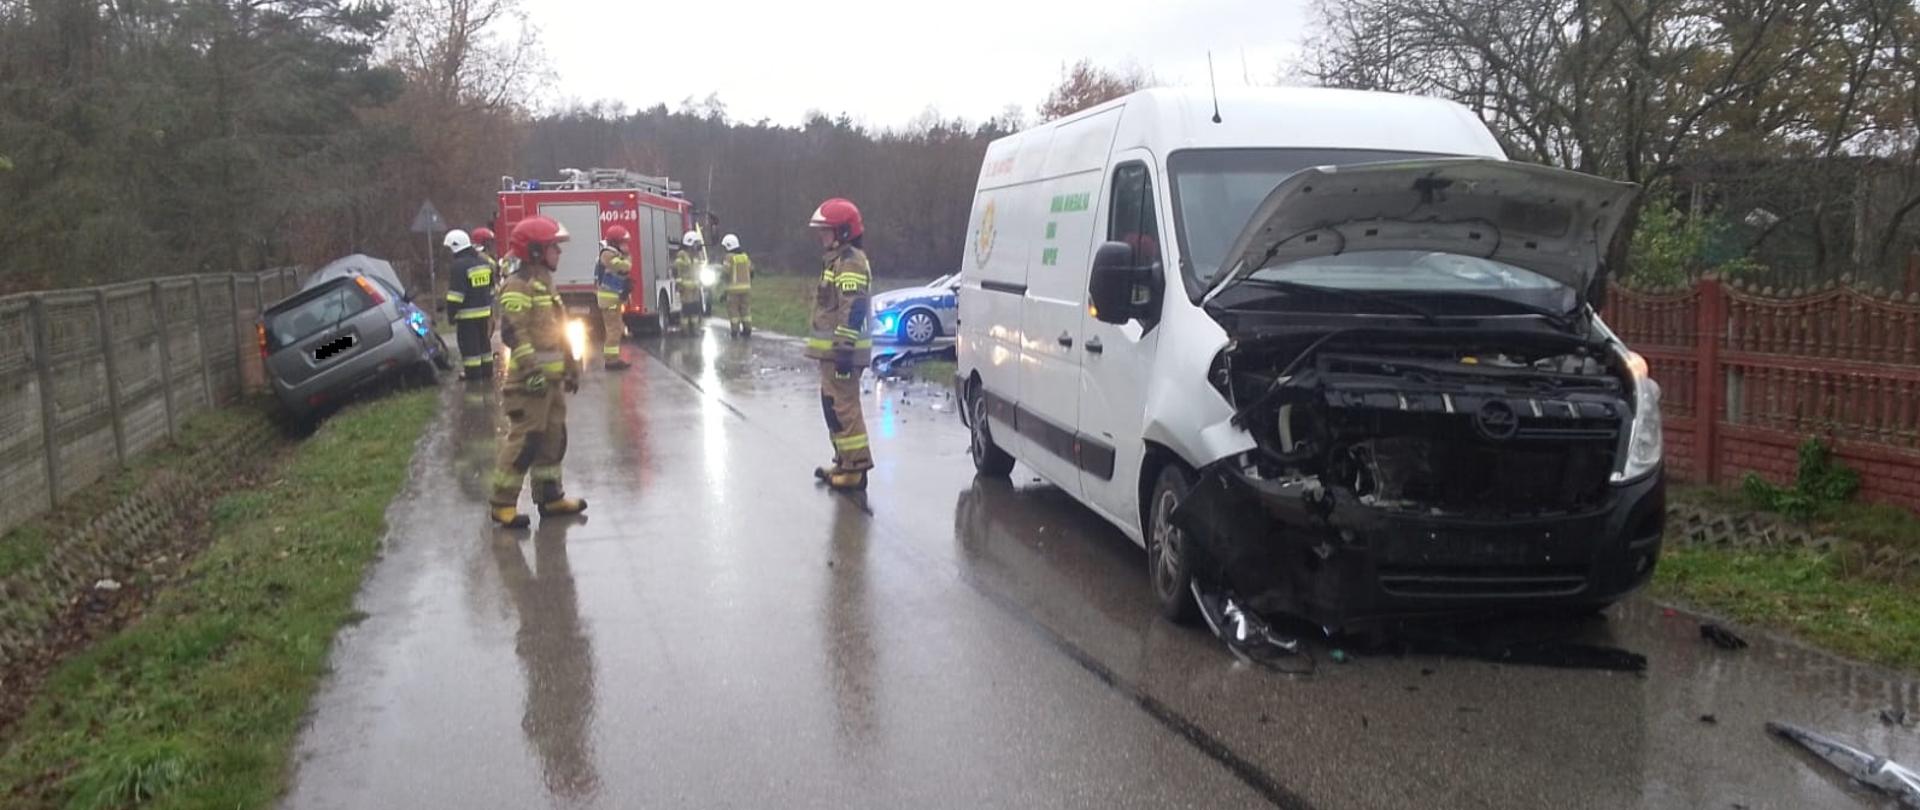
(1554, 222)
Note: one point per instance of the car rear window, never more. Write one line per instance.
(318, 310)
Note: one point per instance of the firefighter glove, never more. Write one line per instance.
(570, 383)
(843, 362)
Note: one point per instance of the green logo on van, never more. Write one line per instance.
(1069, 203)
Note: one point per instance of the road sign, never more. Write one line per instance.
(428, 220)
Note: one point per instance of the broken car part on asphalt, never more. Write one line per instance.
(1249, 637)
(1721, 637)
(1876, 772)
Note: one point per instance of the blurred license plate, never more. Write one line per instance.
(335, 347)
(580, 310)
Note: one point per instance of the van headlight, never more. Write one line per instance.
(1644, 440)
(709, 275)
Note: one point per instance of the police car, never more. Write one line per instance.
(917, 315)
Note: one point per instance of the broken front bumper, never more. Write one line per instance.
(1291, 546)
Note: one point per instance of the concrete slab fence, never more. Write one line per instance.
(92, 377)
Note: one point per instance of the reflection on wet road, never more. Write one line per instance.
(720, 633)
(556, 658)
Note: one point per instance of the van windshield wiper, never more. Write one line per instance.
(1341, 292)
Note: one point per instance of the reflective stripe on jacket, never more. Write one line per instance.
(532, 324)
(840, 307)
(470, 288)
(741, 269)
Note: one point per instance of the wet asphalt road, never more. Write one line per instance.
(718, 632)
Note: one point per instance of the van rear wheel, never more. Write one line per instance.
(1169, 551)
(988, 459)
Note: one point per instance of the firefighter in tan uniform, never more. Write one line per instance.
(686, 276)
(540, 374)
(483, 241)
(612, 281)
(840, 341)
(739, 270)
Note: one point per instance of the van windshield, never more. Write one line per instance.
(1216, 190)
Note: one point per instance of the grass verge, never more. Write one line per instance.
(1805, 593)
(784, 303)
(196, 703)
(1837, 599)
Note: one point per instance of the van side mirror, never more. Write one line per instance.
(1119, 290)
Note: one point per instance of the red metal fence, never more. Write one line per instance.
(1748, 374)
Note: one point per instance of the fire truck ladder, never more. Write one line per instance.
(578, 180)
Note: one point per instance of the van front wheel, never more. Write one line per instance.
(1169, 551)
(988, 459)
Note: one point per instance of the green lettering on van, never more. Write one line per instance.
(1052, 228)
(1050, 256)
(1069, 203)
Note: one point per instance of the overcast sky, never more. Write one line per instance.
(884, 61)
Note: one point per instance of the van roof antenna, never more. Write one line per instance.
(1216, 88)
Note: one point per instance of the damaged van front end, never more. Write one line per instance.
(1428, 449)
(1410, 473)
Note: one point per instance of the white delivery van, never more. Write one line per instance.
(1326, 351)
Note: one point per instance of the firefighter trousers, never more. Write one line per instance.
(475, 336)
(690, 314)
(840, 403)
(739, 311)
(613, 328)
(535, 444)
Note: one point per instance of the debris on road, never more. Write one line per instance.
(1721, 637)
(1249, 637)
(1894, 717)
(1709, 719)
(1876, 772)
(108, 585)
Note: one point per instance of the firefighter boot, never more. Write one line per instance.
(561, 507)
(848, 480)
(825, 474)
(507, 517)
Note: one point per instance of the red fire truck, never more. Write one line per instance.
(589, 202)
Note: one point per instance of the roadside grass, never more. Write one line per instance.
(784, 303)
(28, 544)
(196, 704)
(781, 304)
(1835, 599)
(937, 372)
(1806, 593)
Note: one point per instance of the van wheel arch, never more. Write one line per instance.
(1152, 460)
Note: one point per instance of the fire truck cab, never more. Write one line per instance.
(589, 202)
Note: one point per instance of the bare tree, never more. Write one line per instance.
(1635, 89)
(1084, 85)
(477, 53)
